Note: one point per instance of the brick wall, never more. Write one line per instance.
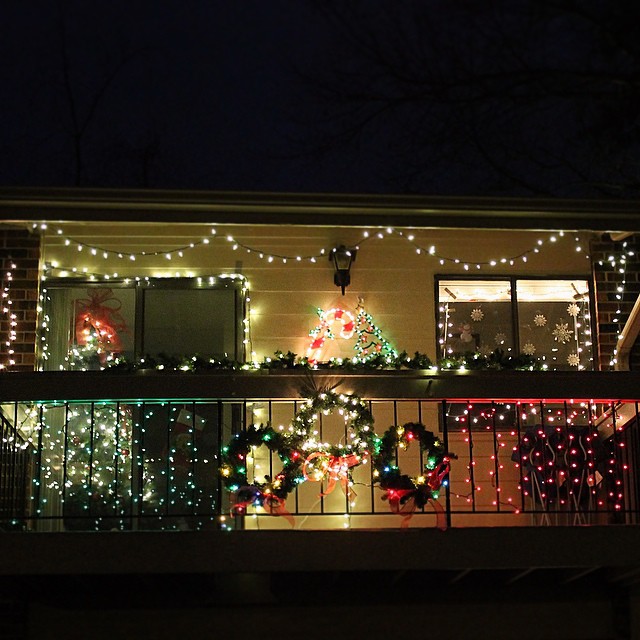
(607, 279)
(20, 248)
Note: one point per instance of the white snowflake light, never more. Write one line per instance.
(562, 333)
(573, 309)
(539, 320)
(529, 349)
(477, 315)
(500, 338)
(573, 359)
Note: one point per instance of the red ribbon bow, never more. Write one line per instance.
(272, 504)
(93, 314)
(336, 470)
(437, 475)
(403, 502)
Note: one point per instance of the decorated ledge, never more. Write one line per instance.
(497, 360)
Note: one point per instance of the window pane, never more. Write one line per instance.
(474, 315)
(190, 321)
(86, 325)
(554, 322)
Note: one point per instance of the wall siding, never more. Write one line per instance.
(396, 283)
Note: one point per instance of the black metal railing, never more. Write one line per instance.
(152, 455)
(16, 473)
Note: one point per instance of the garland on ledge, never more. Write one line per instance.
(498, 360)
(305, 458)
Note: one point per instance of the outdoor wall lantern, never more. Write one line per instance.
(342, 259)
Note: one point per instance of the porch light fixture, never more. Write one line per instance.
(342, 259)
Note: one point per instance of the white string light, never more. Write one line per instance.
(479, 264)
(619, 266)
(200, 281)
(430, 251)
(8, 312)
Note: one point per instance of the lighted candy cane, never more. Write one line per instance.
(323, 331)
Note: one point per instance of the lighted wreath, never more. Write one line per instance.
(406, 493)
(303, 456)
(272, 493)
(334, 463)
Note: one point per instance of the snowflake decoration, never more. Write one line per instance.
(573, 309)
(529, 349)
(539, 320)
(573, 359)
(500, 338)
(562, 333)
(477, 315)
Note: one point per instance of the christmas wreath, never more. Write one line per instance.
(302, 456)
(334, 463)
(358, 420)
(406, 493)
(272, 493)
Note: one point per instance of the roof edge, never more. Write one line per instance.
(315, 209)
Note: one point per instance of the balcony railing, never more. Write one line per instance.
(150, 451)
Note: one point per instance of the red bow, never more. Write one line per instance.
(403, 502)
(437, 475)
(254, 496)
(92, 314)
(335, 468)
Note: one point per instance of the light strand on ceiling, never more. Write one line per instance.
(430, 251)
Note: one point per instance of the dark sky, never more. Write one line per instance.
(431, 97)
(205, 83)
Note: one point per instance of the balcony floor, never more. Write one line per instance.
(551, 576)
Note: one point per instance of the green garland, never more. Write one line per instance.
(388, 475)
(233, 466)
(358, 418)
(300, 451)
(297, 448)
(497, 360)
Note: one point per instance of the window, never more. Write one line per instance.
(546, 318)
(87, 323)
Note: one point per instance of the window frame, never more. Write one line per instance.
(141, 286)
(512, 280)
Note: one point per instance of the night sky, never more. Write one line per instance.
(532, 98)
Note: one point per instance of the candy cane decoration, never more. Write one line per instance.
(323, 331)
